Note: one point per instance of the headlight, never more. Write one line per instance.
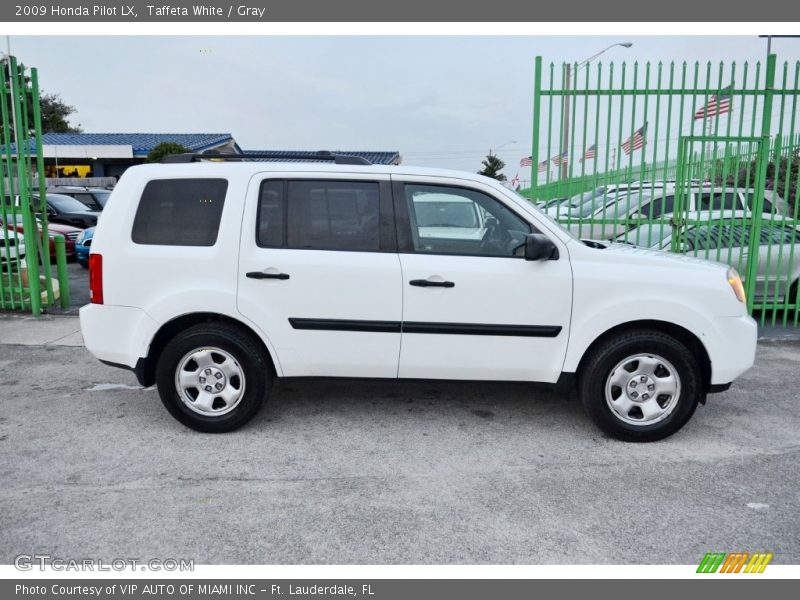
(79, 239)
(736, 285)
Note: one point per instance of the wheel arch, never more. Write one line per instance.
(146, 367)
(683, 335)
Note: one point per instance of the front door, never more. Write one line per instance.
(473, 308)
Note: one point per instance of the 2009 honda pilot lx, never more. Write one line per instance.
(210, 279)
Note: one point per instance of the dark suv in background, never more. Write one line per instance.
(93, 198)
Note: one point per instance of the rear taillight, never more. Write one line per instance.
(96, 278)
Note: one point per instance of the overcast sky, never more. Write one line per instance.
(441, 101)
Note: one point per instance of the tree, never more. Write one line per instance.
(165, 149)
(55, 113)
(492, 167)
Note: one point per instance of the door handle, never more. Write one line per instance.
(429, 283)
(262, 275)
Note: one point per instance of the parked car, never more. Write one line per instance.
(725, 237)
(93, 198)
(70, 233)
(12, 247)
(68, 210)
(210, 279)
(648, 204)
(82, 245)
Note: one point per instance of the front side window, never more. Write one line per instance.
(180, 212)
(450, 220)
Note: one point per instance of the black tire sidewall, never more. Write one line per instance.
(243, 348)
(592, 385)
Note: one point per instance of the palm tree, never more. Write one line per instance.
(492, 167)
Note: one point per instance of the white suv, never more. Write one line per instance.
(210, 279)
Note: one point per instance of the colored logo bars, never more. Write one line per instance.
(737, 562)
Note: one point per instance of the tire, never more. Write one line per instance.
(222, 359)
(622, 370)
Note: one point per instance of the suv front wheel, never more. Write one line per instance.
(213, 377)
(641, 385)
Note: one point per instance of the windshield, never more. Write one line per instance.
(101, 197)
(646, 235)
(446, 214)
(66, 203)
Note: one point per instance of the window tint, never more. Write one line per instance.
(180, 212)
(720, 201)
(333, 215)
(89, 201)
(750, 199)
(660, 206)
(270, 214)
(449, 220)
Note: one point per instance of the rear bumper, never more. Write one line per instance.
(116, 334)
(731, 348)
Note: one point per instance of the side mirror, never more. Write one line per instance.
(539, 247)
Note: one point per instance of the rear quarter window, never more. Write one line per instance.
(180, 212)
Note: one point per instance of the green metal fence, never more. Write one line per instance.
(695, 159)
(26, 281)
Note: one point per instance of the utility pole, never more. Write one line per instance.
(567, 87)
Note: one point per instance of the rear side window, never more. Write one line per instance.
(180, 212)
(720, 201)
(333, 215)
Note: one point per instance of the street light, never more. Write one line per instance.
(501, 146)
(567, 87)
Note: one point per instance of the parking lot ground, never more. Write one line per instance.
(387, 472)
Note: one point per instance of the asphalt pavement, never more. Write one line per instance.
(386, 472)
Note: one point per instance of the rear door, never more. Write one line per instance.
(473, 308)
(320, 275)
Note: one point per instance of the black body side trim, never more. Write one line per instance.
(481, 329)
(346, 325)
(421, 327)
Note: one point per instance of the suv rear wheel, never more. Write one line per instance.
(641, 386)
(213, 377)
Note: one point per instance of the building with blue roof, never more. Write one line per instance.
(109, 154)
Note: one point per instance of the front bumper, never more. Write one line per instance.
(731, 348)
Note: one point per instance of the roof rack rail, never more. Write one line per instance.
(321, 155)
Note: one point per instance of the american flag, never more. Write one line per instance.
(716, 105)
(515, 182)
(591, 152)
(636, 141)
(526, 162)
(560, 159)
(543, 166)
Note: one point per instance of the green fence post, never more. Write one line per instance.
(537, 112)
(760, 183)
(29, 223)
(37, 130)
(61, 265)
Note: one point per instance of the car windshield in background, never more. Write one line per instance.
(445, 214)
(101, 197)
(646, 235)
(66, 203)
